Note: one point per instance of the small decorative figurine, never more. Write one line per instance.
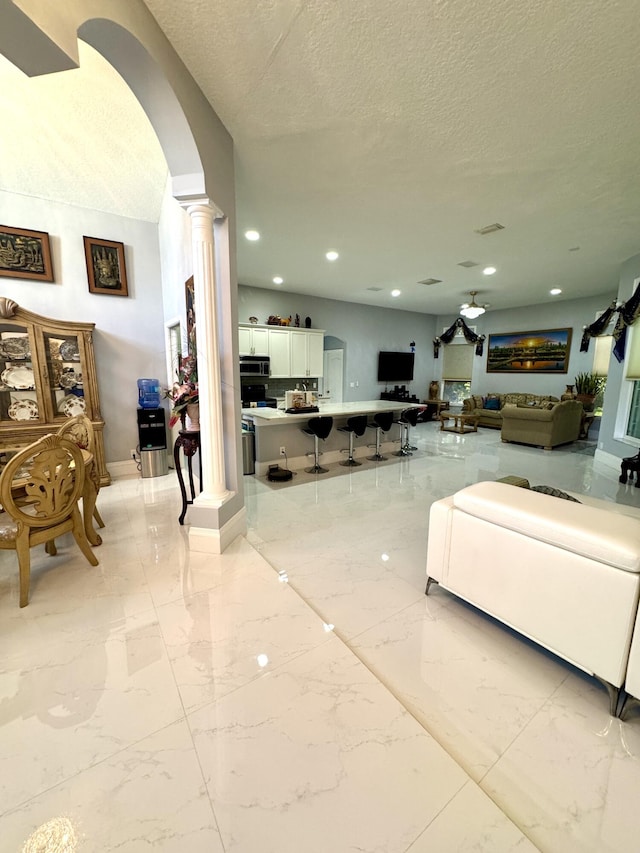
(307, 322)
(297, 319)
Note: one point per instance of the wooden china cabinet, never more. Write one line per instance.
(47, 374)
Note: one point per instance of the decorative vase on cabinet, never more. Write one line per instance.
(47, 374)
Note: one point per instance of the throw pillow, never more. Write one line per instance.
(492, 403)
(556, 493)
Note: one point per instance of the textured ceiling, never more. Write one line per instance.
(391, 130)
(387, 131)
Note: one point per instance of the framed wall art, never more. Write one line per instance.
(25, 254)
(105, 266)
(544, 351)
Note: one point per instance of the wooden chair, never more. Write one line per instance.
(79, 430)
(39, 491)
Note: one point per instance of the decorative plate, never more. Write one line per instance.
(16, 347)
(23, 410)
(69, 379)
(19, 378)
(72, 405)
(69, 351)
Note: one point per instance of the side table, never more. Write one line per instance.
(433, 408)
(189, 441)
(461, 423)
(587, 419)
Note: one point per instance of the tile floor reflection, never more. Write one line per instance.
(299, 692)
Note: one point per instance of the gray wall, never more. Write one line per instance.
(573, 314)
(129, 335)
(365, 331)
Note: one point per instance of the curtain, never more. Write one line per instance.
(469, 335)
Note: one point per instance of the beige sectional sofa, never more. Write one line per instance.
(488, 409)
(564, 574)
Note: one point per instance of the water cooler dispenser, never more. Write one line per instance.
(152, 431)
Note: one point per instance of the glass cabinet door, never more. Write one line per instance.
(65, 384)
(18, 382)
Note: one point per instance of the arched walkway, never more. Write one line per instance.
(128, 37)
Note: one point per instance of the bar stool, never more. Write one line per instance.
(407, 419)
(354, 426)
(382, 422)
(318, 428)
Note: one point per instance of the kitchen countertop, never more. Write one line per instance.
(264, 416)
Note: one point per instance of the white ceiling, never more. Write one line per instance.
(390, 131)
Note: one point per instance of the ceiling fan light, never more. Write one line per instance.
(471, 310)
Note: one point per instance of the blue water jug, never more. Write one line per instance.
(149, 393)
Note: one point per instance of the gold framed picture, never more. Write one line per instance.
(106, 269)
(543, 351)
(25, 254)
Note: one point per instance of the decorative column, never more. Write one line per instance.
(214, 487)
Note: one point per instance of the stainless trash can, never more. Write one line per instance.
(154, 463)
(248, 452)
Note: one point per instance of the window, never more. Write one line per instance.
(457, 367)
(173, 349)
(633, 422)
(629, 410)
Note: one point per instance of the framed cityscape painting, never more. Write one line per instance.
(544, 351)
(25, 254)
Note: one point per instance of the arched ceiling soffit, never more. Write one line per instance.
(81, 137)
(150, 86)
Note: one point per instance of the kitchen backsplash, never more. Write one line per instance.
(277, 387)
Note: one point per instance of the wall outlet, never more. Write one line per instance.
(133, 453)
(283, 452)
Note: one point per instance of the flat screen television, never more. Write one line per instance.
(395, 366)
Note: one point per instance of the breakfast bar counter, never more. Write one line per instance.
(275, 428)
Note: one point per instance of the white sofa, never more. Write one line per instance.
(564, 574)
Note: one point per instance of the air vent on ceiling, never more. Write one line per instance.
(489, 229)
(429, 281)
(468, 264)
(375, 289)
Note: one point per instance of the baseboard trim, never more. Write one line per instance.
(209, 541)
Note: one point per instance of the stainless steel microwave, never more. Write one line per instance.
(254, 365)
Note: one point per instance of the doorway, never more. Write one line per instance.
(332, 384)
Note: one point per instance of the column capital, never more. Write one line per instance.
(195, 205)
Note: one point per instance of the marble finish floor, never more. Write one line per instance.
(299, 692)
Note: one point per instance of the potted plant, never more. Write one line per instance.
(184, 392)
(587, 387)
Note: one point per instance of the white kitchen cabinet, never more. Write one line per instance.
(279, 353)
(253, 340)
(307, 353)
(293, 352)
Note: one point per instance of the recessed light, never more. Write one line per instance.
(252, 235)
(396, 292)
(488, 270)
(332, 256)
(555, 291)
(277, 279)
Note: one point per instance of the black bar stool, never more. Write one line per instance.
(354, 426)
(318, 428)
(407, 419)
(382, 422)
